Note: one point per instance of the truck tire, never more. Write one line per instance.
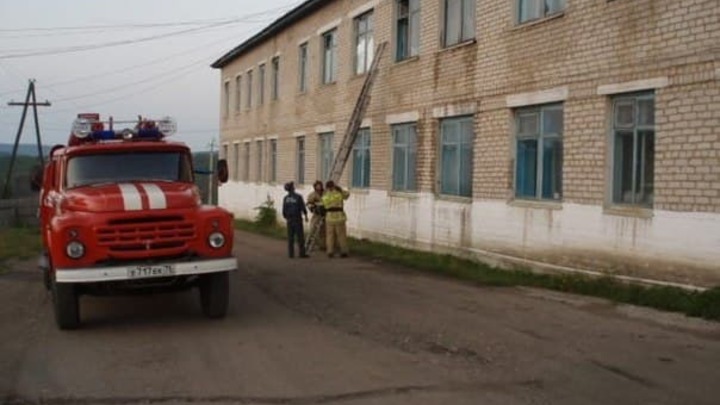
(215, 294)
(66, 305)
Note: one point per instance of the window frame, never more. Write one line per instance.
(326, 156)
(261, 84)
(273, 160)
(636, 128)
(260, 160)
(248, 89)
(236, 161)
(365, 163)
(409, 147)
(411, 35)
(541, 137)
(463, 36)
(246, 161)
(300, 159)
(441, 144)
(275, 88)
(541, 16)
(226, 99)
(303, 59)
(238, 93)
(329, 77)
(369, 44)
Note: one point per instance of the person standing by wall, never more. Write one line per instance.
(293, 212)
(335, 218)
(316, 206)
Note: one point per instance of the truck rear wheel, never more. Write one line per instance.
(66, 305)
(215, 294)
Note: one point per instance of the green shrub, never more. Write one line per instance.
(267, 214)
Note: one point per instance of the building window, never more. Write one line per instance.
(459, 21)
(634, 149)
(456, 156)
(238, 93)
(275, 78)
(404, 157)
(226, 99)
(303, 67)
(539, 152)
(407, 42)
(300, 160)
(248, 95)
(273, 160)
(361, 159)
(246, 162)
(364, 43)
(529, 10)
(225, 152)
(261, 84)
(326, 154)
(329, 56)
(236, 166)
(260, 149)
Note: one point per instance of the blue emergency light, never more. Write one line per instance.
(94, 130)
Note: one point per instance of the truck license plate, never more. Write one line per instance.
(151, 271)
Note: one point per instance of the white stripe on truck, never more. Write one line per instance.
(156, 197)
(131, 197)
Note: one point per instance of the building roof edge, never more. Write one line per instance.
(301, 11)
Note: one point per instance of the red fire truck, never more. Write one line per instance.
(120, 213)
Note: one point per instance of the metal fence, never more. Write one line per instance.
(19, 212)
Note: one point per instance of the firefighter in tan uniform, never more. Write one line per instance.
(334, 199)
(316, 206)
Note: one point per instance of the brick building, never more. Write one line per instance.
(578, 134)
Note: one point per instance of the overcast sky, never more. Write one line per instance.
(152, 77)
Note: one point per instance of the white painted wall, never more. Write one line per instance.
(426, 221)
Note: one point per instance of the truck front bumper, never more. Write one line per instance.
(134, 272)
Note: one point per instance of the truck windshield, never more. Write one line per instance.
(88, 170)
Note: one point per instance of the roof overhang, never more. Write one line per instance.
(292, 16)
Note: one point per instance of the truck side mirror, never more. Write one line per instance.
(222, 171)
(36, 178)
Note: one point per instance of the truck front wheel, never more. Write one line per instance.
(215, 294)
(66, 305)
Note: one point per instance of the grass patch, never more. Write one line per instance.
(704, 304)
(19, 243)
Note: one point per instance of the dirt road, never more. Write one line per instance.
(352, 331)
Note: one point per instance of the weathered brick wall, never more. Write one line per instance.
(593, 43)
(674, 46)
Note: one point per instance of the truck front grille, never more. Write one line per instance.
(146, 234)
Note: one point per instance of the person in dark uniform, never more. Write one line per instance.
(293, 211)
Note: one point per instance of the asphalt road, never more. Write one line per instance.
(350, 331)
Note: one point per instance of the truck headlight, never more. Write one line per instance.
(216, 240)
(75, 249)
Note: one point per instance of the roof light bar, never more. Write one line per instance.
(88, 127)
(167, 126)
(81, 128)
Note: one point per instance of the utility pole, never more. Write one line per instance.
(211, 171)
(30, 101)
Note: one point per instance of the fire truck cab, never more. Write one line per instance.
(120, 212)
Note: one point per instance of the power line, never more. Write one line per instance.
(113, 26)
(98, 31)
(80, 48)
(104, 45)
(122, 86)
(151, 62)
(141, 25)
